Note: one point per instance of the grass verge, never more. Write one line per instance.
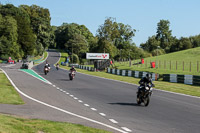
(8, 94)
(185, 62)
(12, 124)
(167, 86)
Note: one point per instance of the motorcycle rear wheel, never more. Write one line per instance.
(138, 100)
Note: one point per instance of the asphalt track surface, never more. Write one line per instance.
(166, 113)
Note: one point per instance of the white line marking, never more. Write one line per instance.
(71, 95)
(102, 114)
(93, 109)
(86, 105)
(75, 98)
(80, 101)
(64, 91)
(67, 93)
(37, 77)
(62, 110)
(42, 77)
(113, 121)
(126, 129)
(58, 88)
(54, 85)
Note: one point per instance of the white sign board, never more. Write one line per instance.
(97, 56)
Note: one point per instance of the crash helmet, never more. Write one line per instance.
(148, 76)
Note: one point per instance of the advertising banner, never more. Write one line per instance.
(97, 56)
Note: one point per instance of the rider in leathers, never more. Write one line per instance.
(145, 82)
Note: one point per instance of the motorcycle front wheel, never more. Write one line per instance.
(146, 101)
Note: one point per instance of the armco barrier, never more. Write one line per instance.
(129, 73)
(186, 79)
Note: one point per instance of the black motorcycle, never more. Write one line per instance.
(144, 93)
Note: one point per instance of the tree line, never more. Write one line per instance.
(24, 31)
(163, 42)
(112, 37)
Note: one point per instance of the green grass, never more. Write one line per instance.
(173, 87)
(44, 58)
(8, 94)
(163, 66)
(11, 124)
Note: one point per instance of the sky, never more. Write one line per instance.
(142, 15)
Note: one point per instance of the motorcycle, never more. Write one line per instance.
(57, 66)
(71, 75)
(46, 70)
(144, 93)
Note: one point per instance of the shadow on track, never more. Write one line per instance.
(125, 104)
(63, 79)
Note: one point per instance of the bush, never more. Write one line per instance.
(157, 52)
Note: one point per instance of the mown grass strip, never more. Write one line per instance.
(8, 94)
(11, 124)
(172, 63)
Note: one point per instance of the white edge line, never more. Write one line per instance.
(37, 77)
(41, 76)
(59, 109)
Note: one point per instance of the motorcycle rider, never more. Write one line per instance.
(144, 82)
(73, 69)
(57, 66)
(47, 66)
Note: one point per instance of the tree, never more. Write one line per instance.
(151, 44)
(9, 36)
(40, 23)
(77, 44)
(164, 34)
(26, 39)
(113, 36)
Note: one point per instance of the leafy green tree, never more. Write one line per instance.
(40, 23)
(151, 44)
(113, 36)
(26, 39)
(195, 40)
(9, 36)
(77, 44)
(164, 34)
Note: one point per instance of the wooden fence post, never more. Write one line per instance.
(165, 64)
(170, 65)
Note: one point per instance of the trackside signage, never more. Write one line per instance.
(97, 56)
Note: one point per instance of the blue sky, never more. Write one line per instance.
(142, 15)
